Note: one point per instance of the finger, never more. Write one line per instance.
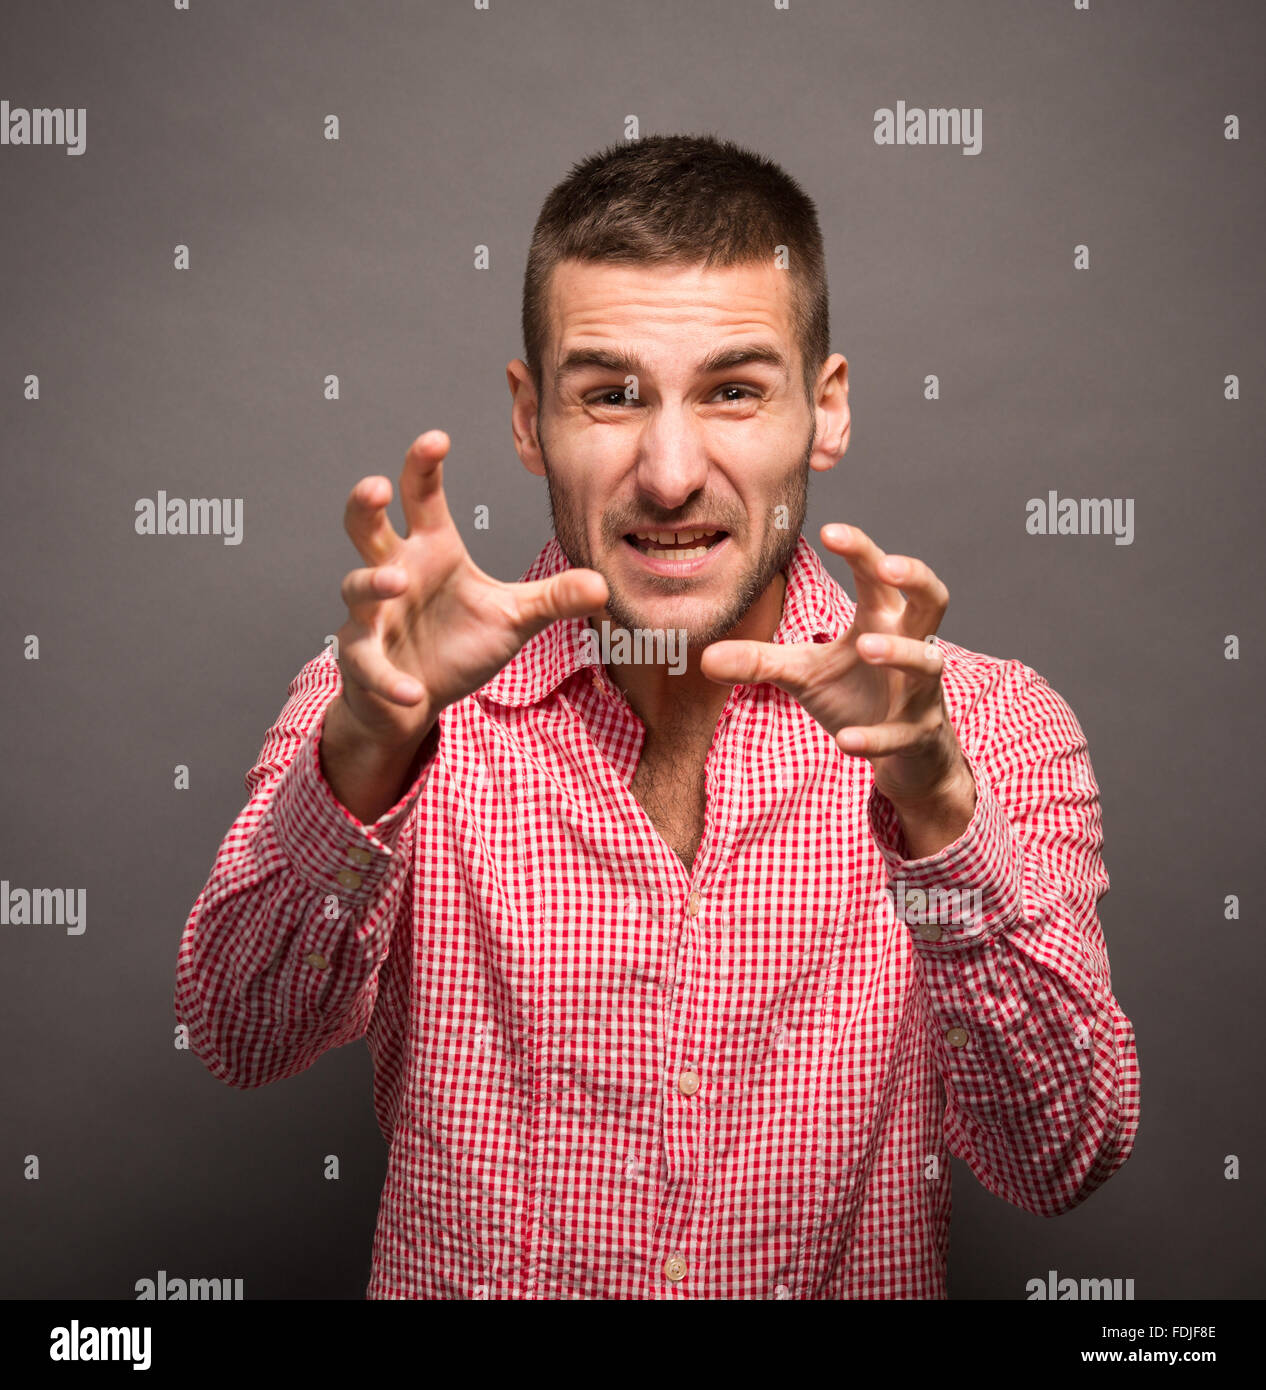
(863, 556)
(366, 521)
(574, 593)
(422, 483)
(737, 662)
(926, 597)
(364, 589)
(878, 740)
(364, 660)
(909, 654)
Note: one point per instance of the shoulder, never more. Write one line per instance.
(1001, 702)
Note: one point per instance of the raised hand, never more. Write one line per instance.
(426, 626)
(877, 689)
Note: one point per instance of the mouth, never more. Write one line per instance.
(675, 545)
(675, 554)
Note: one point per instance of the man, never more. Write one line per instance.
(679, 982)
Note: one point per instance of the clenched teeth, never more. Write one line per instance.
(672, 537)
(679, 554)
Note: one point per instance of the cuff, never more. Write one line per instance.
(967, 892)
(328, 847)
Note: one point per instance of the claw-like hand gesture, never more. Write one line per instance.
(427, 626)
(876, 689)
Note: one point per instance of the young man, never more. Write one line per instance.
(681, 980)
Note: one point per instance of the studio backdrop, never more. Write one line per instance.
(250, 249)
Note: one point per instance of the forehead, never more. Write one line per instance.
(667, 306)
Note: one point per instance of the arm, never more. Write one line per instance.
(280, 955)
(1038, 1058)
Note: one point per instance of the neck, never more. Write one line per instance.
(676, 704)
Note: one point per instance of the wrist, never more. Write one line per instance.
(954, 791)
(344, 734)
(365, 774)
(935, 820)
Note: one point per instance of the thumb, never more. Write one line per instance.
(746, 663)
(571, 594)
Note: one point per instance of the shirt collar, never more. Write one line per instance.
(815, 608)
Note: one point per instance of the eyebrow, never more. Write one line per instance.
(629, 364)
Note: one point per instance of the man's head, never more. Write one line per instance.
(677, 378)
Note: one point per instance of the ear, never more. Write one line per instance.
(831, 412)
(523, 416)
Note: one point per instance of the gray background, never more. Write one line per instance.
(311, 257)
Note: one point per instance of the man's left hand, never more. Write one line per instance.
(877, 689)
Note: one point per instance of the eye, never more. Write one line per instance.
(616, 396)
(613, 396)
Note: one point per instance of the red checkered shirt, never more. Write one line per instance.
(601, 1075)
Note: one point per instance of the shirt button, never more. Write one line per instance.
(782, 1291)
(956, 1037)
(674, 1267)
(348, 878)
(316, 960)
(930, 931)
(692, 903)
(688, 1083)
(358, 854)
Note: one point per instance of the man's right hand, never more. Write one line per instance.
(426, 627)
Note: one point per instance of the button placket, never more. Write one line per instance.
(681, 1194)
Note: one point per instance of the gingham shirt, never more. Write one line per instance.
(603, 1076)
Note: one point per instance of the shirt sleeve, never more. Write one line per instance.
(1038, 1059)
(280, 955)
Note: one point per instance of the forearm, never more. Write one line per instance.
(1037, 1056)
(279, 956)
(367, 778)
(931, 825)
(1038, 1060)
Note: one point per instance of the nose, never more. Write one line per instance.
(672, 460)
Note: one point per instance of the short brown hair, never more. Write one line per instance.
(680, 199)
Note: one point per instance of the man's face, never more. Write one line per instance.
(714, 433)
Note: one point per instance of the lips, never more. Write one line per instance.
(682, 561)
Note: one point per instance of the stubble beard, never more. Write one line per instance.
(777, 546)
